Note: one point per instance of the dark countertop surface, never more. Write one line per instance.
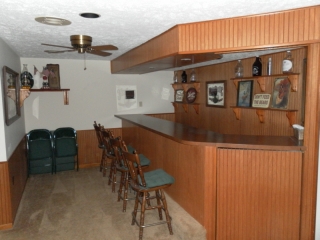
(195, 136)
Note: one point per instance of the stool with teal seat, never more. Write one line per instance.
(144, 184)
(121, 166)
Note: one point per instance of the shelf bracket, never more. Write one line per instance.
(196, 108)
(262, 83)
(236, 82)
(260, 114)
(237, 112)
(294, 82)
(66, 97)
(291, 116)
(185, 107)
(24, 93)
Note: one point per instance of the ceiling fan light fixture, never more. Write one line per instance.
(53, 21)
(80, 41)
(89, 15)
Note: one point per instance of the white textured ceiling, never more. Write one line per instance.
(125, 24)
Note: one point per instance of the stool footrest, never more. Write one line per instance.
(150, 224)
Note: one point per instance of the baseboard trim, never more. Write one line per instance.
(6, 226)
(89, 165)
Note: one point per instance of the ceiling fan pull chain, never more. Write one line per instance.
(85, 67)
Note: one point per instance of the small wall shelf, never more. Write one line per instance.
(293, 78)
(185, 106)
(65, 93)
(290, 113)
(186, 86)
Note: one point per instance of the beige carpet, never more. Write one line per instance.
(80, 205)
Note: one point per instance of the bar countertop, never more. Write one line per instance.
(195, 136)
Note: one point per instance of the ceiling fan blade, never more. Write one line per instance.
(100, 53)
(52, 51)
(56, 45)
(104, 47)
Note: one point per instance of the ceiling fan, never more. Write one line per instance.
(82, 44)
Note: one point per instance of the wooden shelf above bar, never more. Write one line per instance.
(290, 113)
(64, 90)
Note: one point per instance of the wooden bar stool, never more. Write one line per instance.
(97, 128)
(121, 166)
(144, 184)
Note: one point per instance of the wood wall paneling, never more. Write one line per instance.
(216, 119)
(88, 150)
(258, 194)
(13, 178)
(6, 219)
(279, 29)
(18, 173)
(311, 140)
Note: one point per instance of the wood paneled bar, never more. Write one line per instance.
(236, 186)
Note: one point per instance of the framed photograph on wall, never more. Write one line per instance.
(54, 76)
(280, 94)
(216, 94)
(244, 95)
(179, 94)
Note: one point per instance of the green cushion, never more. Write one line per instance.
(144, 161)
(38, 149)
(40, 162)
(63, 160)
(65, 147)
(39, 170)
(157, 178)
(130, 149)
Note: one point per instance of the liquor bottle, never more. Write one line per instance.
(238, 71)
(269, 67)
(257, 67)
(287, 63)
(193, 76)
(184, 77)
(175, 77)
(26, 78)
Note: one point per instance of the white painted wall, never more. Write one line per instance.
(10, 136)
(92, 95)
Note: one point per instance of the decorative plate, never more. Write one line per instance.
(191, 95)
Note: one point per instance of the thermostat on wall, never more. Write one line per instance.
(129, 94)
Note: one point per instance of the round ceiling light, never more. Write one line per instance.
(53, 21)
(89, 15)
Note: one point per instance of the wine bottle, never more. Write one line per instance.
(287, 63)
(238, 71)
(184, 77)
(257, 67)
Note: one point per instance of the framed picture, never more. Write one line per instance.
(216, 93)
(179, 95)
(54, 76)
(280, 94)
(11, 95)
(244, 95)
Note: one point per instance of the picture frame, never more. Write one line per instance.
(11, 95)
(54, 76)
(244, 93)
(280, 93)
(216, 93)
(179, 95)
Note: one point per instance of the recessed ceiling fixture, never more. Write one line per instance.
(53, 21)
(89, 15)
